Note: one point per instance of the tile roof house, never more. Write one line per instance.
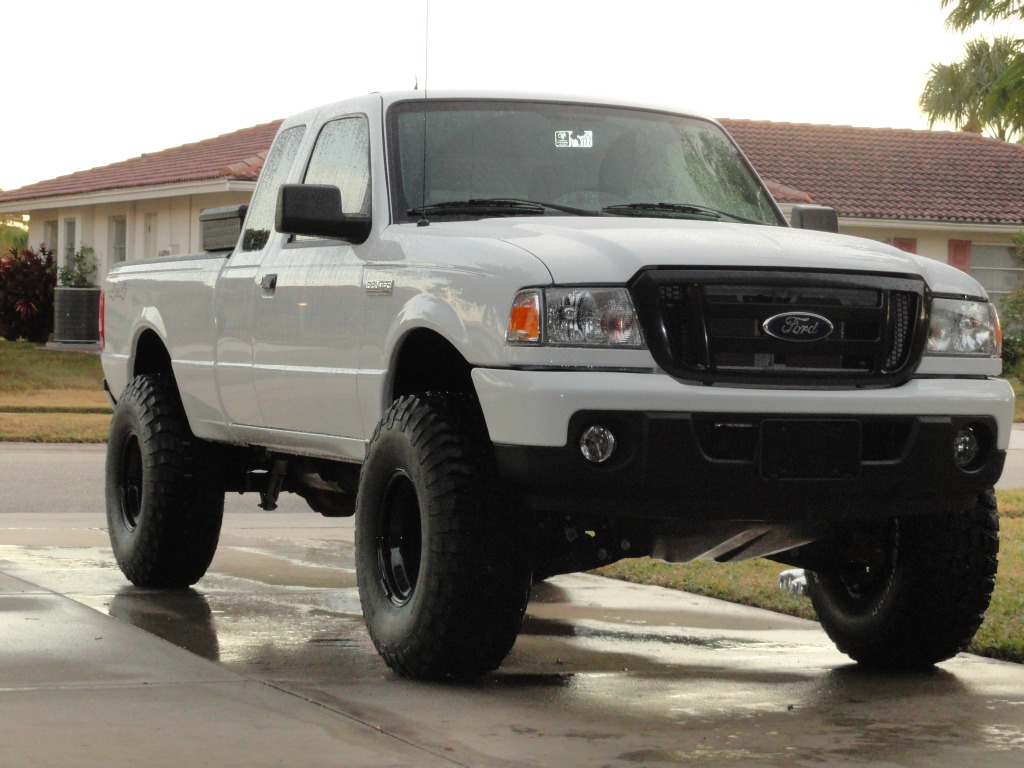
(146, 206)
(956, 197)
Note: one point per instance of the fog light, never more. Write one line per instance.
(965, 447)
(597, 444)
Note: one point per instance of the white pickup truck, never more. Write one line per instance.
(519, 336)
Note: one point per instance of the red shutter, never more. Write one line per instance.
(908, 244)
(960, 255)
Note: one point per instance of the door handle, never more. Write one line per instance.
(269, 282)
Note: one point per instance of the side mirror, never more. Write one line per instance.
(817, 217)
(315, 210)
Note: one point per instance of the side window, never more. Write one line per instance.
(259, 222)
(341, 157)
(995, 267)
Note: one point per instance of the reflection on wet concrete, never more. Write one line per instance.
(604, 674)
(274, 570)
(180, 616)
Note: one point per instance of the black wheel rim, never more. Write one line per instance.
(865, 575)
(131, 482)
(399, 539)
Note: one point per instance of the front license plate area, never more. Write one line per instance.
(810, 449)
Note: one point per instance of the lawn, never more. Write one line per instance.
(51, 397)
(28, 367)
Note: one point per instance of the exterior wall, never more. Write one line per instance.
(37, 227)
(932, 243)
(84, 231)
(177, 226)
(962, 247)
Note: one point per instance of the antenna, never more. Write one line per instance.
(424, 221)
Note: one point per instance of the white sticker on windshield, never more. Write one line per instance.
(573, 139)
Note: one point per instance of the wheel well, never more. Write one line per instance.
(427, 362)
(151, 356)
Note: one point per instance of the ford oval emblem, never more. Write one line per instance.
(798, 326)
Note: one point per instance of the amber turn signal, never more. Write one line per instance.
(524, 319)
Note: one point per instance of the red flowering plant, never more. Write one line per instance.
(27, 278)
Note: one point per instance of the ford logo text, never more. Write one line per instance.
(798, 326)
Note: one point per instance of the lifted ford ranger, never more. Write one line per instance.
(518, 336)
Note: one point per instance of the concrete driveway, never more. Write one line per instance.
(267, 663)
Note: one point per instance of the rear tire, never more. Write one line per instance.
(442, 577)
(164, 501)
(914, 591)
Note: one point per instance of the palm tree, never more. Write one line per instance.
(978, 93)
(13, 233)
(968, 12)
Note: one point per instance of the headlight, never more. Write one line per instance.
(574, 317)
(962, 327)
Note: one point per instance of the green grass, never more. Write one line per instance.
(51, 397)
(753, 582)
(27, 367)
(1018, 391)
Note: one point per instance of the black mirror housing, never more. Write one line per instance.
(314, 210)
(816, 217)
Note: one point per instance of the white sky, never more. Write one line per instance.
(103, 81)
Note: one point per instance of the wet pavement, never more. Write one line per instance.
(266, 662)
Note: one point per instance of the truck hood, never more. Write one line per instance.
(579, 250)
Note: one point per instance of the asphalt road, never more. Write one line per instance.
(267, 662)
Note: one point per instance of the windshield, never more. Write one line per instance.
(490, 158)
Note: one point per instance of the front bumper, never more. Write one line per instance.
(690, 453)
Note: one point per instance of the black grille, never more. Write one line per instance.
(709, 325)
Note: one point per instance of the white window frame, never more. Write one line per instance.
(70, 235)
(980, 273)
(51, 234)
(118, 250)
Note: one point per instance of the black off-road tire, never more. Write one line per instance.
(164, 501)
(925, 595)
(443, 579)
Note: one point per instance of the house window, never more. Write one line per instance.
(51, 234)
(118, 238)
(995, 267)
(69, 239)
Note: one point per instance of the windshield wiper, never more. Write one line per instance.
(670, 209)
(497, 206)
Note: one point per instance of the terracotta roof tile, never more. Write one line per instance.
(861, 172)
(784, 194)
(249, 168)
(237, 155)
(889, 173)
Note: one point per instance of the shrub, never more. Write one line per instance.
(26, 294)
(1013, 355)
(77, 272)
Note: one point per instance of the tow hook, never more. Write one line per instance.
(794, 581)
